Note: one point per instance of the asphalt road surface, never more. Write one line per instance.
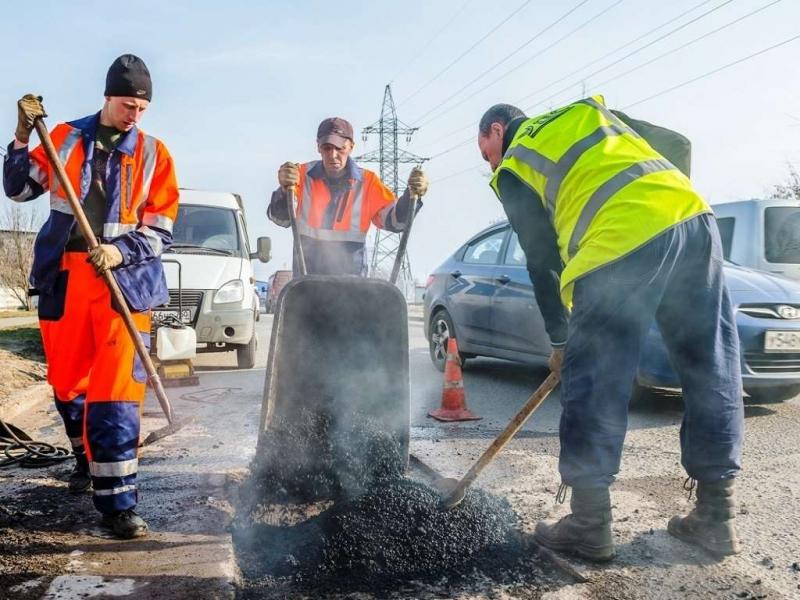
(650, 563)
(182, 471)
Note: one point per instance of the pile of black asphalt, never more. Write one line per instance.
(340, 514)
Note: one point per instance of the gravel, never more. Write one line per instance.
(330, 508)
(315, 457)
(398, 530)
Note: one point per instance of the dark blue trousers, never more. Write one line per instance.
(676, 279)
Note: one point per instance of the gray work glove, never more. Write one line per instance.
(288, 175)
(105, 257)
(555, 360)
(29, 107)
(417, 182)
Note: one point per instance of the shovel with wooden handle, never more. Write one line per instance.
(116, 293)
(452, 491)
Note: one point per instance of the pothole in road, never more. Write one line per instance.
(329, 514)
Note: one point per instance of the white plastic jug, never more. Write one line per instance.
(176, 343)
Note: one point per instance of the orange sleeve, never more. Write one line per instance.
(162, 200)
(40, 166)
(378, 198)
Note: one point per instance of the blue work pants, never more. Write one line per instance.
(675, 279)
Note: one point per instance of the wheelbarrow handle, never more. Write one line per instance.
(401, 249)
(297, 243)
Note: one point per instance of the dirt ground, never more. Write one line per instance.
(22, 359)
(33, 514)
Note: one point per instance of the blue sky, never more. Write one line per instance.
(239, 87)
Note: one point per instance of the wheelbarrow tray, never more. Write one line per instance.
(339, 347)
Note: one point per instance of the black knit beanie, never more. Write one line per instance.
(128, 76)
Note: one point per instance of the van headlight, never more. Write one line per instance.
(233, 291)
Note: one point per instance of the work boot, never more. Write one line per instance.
(710, 523)
(126, 524)
(587, 531)
(80, 480)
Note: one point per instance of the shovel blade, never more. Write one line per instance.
(451, 492)
(165, 431)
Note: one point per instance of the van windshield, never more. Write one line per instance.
(782, 234)
(206, 230)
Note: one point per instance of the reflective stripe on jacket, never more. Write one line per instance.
(367, 201)
(141, 205)
(605, 189)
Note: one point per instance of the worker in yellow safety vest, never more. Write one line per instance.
(616, 234)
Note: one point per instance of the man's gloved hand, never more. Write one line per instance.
(288, 175)
(417, 182)
(105, 257)
(556, 358)
(29, 107)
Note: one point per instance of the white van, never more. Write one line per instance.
(761, 234)
(210, 276)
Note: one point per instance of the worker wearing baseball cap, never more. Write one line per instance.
(337, 201)
(126, 183)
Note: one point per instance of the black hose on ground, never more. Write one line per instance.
(20, 450)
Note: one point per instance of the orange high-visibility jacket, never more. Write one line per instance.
(141, 206)
(368, 201)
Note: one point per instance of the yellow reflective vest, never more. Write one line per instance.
(605, 189)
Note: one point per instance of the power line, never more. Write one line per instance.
(689, 43)
(667, 90)
(526, 61)
(463, 54)
(508, 56)
(595, 61)
(619, 60)
(457, 173)
(431, 40)
(615, 62)
(713, 71)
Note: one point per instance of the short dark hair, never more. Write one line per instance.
(499, 113)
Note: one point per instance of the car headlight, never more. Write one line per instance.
(233, 291)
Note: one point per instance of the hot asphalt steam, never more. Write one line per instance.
(329, 507)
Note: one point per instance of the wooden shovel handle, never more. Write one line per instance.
(511, 429)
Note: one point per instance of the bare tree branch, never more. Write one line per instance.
(19, 226)
(790, 189)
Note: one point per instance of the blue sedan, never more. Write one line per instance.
(483, 296)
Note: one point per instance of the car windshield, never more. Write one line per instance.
(782, 234)
(206, 230)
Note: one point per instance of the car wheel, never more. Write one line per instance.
(441, 330)
(246, 353)
(774, 394)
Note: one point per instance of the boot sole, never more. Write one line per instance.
(82, 490)
(593, 553)
(125, 535)
(717, 551)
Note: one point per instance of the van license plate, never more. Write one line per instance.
(782, 341)
(160, 316)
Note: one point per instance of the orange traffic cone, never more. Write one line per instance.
(454, 402)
